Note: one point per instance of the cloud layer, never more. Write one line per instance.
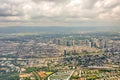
(60, 12)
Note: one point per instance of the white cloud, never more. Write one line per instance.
(60, 11)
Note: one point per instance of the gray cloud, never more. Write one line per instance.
(66, 12)
(56, 1)
(88, 4)
(9, 8)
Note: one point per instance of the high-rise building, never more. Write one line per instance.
(90, 44)
(65, 52)
(73, 42)
(67, 43)
(58, 42)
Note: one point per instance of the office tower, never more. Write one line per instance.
(67, 43)
(65, 52)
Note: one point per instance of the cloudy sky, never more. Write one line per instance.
(60, 12)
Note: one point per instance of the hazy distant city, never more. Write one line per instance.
(67, 55)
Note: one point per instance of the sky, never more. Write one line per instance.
(60, 13)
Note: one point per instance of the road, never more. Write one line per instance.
(70, 75)
(37, 76)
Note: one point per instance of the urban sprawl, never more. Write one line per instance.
(60, 56)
